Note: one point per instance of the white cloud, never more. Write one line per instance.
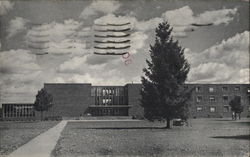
(17, 61)
(19, 75)
(181, 20)
(224, 62)
(182, 16)
(5, 6)
(217, 17)
(108, 78)
(100, 6)
(185, 16)
(76, 64)
(73, 65)
(16, 25)
(150, 24)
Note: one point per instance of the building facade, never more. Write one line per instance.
(75, 100)
(14, 111)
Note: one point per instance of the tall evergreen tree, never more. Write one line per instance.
(163, 97)
(43, 101)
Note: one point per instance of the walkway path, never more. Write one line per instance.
(42, 145)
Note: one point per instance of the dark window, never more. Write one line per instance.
(225, 108)
(224, 89)
(225, 98)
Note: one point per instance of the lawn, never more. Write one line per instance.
(14, 134)
(205, 137)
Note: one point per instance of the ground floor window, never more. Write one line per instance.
(212, 109)
(225, 108)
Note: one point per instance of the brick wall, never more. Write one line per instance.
(134, 97)
(219, 102)
(69, 100)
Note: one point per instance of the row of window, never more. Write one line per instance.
(212, 89)
(225, 98)
(107, 91)
(18, 111)
(212, 109)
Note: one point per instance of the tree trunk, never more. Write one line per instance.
(41, 115)
(168, 123)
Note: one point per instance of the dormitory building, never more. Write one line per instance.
(75, 100)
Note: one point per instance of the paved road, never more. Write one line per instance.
(42, 145)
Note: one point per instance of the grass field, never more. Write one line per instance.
(205, 137)
(14, 134)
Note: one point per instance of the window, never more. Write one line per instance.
(198, 89)
(199, 109)
(212, 109)
(212, 98)
(237, 88)
(225, 98)
(224, 89)
(211, 89)
(225, 108)
(198, 98)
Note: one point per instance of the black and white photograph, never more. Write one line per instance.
(124, 78)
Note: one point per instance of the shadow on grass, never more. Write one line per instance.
(243, 123)
(225, 120)
(238, 137)
(120, 128)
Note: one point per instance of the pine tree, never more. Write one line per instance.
(43, 101)
(162, 95)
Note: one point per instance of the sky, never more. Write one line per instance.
(52, 42)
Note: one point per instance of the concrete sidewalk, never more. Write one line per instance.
(42, 145)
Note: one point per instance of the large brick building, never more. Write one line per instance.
(74, 100)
